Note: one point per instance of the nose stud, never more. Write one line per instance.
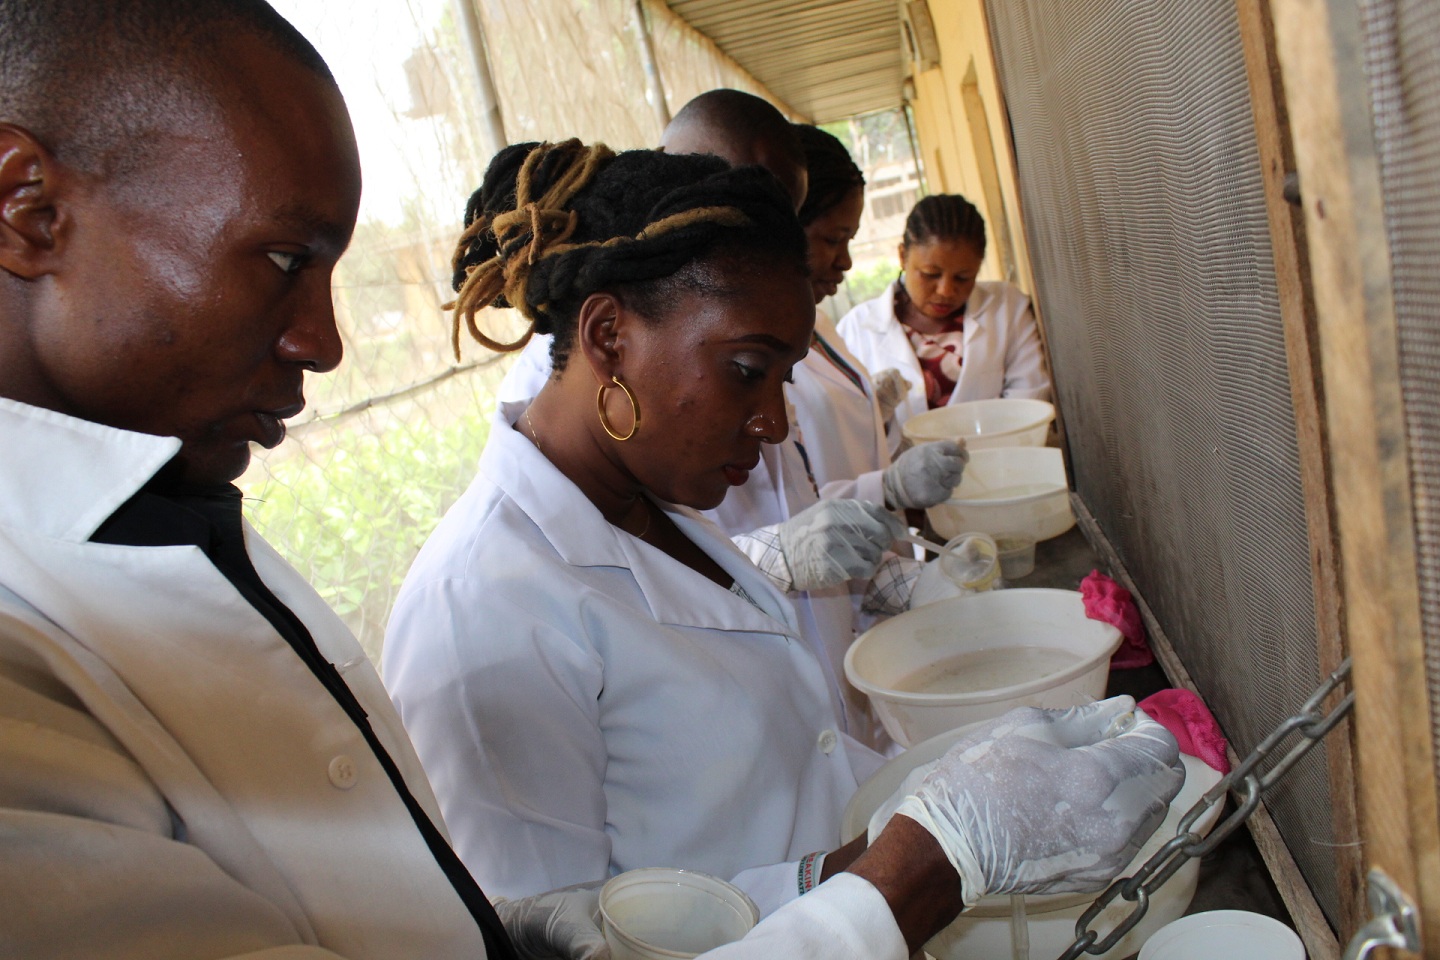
(760, 425)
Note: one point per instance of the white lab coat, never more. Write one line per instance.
(838, 423)
(778, 488)
(584, 704)
(170, 770)
(1002, 355)
(168, 778)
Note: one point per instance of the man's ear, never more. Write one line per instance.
(29, 217)
(599, 331)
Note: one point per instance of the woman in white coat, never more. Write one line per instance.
(595, 678)
(953, 338)
(837, 447)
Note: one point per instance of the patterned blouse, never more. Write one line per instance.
(940, 355)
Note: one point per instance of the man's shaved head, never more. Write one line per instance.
(178, 179)
(742, 129)
(92, 78)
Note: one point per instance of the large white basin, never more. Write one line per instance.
(956, 661)
(984, 423)
(1008, 490)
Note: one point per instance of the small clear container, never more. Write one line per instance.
(658, 913)
(977, 567)
(976, 570)
(1017, 554)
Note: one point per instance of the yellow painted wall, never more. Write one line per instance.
(945, 131)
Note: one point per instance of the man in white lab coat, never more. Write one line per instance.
(196, 759)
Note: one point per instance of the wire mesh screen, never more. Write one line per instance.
(392, 438)
(1402, 58)
(1146, 215)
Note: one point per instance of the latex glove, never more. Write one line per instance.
(1049, 801)
(563, 924)
(834, 541)
(890, 387)
(924, 475)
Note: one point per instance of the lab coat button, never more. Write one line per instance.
(342, 772)
(827, 741)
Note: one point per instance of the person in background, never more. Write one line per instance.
(836, 404)
(837, 450)
(953, 338)
(196, 758)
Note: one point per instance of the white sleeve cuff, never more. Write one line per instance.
(845, 918)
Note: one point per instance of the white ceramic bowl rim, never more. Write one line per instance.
(1044, 413)
(1255, 924)
(1008, 501)
(1014, 691)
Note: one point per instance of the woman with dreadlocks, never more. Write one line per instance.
(647, 692)
(596, 679)
(954, 339)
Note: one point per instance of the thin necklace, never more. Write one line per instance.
(534, 434)
(649, 515)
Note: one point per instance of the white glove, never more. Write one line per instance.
(1049, 801)
(924, 475)
(836, 540)
(890, 387)
(563, 924)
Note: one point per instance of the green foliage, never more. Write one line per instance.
(868, 282)
(353, 517)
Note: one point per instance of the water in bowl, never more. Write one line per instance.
(978, 670)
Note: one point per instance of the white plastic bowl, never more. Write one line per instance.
(1009, 490)
(984, 423)
(659, 913)
(983, 932)
(1231, 934)
(1014, 648)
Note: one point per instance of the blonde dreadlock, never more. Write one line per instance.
(522, 236)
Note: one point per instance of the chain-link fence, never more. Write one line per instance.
(391, 439)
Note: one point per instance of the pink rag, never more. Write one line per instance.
(1186, 716)
(1107, 601)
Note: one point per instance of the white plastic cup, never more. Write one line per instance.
(1231, 934)
(1017, 555)
(660, 913)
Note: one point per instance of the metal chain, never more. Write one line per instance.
(1311, 724)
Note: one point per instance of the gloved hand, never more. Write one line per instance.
(563, 924)
(890, 387)
(924, 475)
(836, 540)
(1049, 801)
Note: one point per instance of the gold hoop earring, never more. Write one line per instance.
(600, 408)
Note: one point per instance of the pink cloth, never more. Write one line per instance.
(1107, 601)
(1186, 716)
